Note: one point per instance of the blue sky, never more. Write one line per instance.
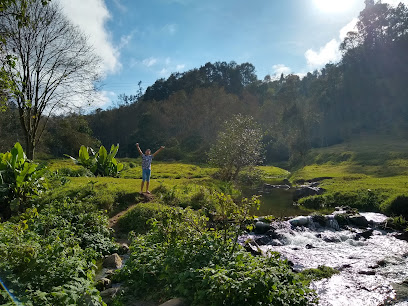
(143, 40)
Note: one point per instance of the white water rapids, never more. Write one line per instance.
(368, 266)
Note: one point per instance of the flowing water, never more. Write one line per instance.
(369, 267)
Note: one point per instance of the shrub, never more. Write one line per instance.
(48, 256)
(396, 205)
(360, 199)
(21, 181)
(136, 219)
(101, 163)
(180, 257)
(319, 273)
(237, 146)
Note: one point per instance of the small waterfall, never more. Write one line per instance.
(371, 261)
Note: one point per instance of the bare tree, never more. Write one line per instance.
(55, 68)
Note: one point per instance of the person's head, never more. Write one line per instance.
(148, 152)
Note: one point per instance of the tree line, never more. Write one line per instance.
(365, 93)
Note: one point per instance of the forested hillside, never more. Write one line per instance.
(366, 93)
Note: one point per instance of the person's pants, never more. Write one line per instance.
(146, 175)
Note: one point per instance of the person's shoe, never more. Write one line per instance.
(147, 191)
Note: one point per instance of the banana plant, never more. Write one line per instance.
(20, 181)
(100, 164)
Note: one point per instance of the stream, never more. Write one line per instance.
(372, 269)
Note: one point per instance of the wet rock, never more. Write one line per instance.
(123, 248)
(306, 191)
(358, 220)
(382, 263)
(267, 187)
(263, 240)
(345, 266)
(261, 227)
(309, 246)
(366, 234)
(108, 294)
(103, 284)
(300, 221)
(369, 272)
(175, 302)
(253, 248)
(112, 262)
(402, 236)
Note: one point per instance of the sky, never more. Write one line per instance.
(144, 40)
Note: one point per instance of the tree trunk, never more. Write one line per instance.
(30, 147)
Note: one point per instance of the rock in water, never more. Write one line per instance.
(305, 191)
(261, 227)
(358, 220)
(300, 221)
(103, 284)
(112, 262)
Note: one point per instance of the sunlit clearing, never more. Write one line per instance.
(333, 6)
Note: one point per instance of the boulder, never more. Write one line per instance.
(358, 220)
(366, 234)
(402, 236)
(112, 261)
(261, 227)
(305, 191)
(108, 294)
(103, 284)
(300, 221)
(123, 248)
(175, 302)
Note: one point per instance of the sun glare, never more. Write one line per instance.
(333, 6)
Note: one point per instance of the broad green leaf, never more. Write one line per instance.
(83, 154)
(103, 154)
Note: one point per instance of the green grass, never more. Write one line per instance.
(367, 173)
(169, 170)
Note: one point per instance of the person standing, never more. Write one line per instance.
(147, 166)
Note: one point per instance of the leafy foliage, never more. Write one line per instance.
(181, 257)
(101, 163)
(238, 145)
(20, 181)
(48, 256)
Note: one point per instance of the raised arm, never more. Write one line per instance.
(138, 148)
(161, 148)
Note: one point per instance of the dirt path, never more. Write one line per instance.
(113, 221)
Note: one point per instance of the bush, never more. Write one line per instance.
(361, 199)
(180, 257)
(21, 181)
(48, 256)
(319, 273)
(396, 205)
(101, 163)
(136, 219)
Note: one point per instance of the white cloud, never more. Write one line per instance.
(330, 52)
(351, 26)
(148, 62)
(91, 17)
(280, 68)
(125, 40)
(180, 67)
(104, 99)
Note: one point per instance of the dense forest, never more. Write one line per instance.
(365, 93)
